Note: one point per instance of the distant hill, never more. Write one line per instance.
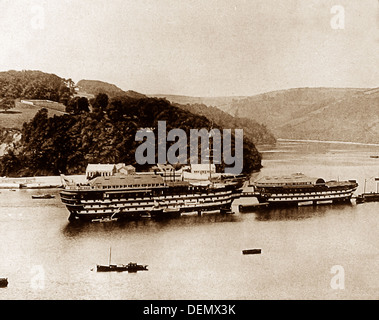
(257, 133)
(354, 117)
(211, 108)
(95, 87)
(316, 113)
(341, 114)
(222, 103)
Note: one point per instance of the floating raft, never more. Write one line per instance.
(43, 196)
(252, 207)
(252, 251)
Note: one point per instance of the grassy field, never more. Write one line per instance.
(15, 118)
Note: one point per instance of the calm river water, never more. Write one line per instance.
(46, 257)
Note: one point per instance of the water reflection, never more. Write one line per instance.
(300, 212)
(76, 228)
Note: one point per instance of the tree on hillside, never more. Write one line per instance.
(65, 92)
(100, 102)
(7, 103)
(77, 105)
(35, 85)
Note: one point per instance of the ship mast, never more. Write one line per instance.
(210, 167)
(209, 150)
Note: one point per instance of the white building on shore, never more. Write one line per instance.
(103, 170)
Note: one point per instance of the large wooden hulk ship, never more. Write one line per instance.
(139, 195)
(297, 189)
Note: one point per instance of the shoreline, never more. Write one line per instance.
(39, 182)
(329, 141)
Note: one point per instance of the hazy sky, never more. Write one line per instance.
(195, 47)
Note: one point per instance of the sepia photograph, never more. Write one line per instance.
(195, 150)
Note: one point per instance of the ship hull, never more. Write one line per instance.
(134, 204)
(279, 197)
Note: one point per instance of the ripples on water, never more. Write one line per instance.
(46, 257)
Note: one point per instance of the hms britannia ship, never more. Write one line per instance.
(298, 188)
(144, 195)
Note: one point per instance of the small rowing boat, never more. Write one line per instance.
(43, 196)
(252, 251)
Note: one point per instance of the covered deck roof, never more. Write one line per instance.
(296, 179)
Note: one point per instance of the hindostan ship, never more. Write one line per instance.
(298, 189)
(132, 196)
